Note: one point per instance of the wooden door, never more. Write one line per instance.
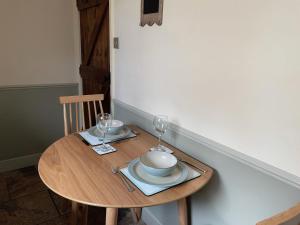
(95, 67)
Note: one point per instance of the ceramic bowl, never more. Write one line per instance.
(116, 126)
(158, 163)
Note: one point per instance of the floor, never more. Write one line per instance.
(25, 200)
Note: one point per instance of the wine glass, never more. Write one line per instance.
(103, 124)
(160, 123)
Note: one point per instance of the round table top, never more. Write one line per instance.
(73, 170)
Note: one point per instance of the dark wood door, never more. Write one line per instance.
(95, 67)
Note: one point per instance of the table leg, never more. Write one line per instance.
(111, 216)
(182, 211)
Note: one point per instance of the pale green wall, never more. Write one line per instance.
(240, 192)
(30, 118)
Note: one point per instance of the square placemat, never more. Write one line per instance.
(149, 189)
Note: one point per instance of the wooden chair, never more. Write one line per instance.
(91, 101)
(288, 217)
(94, 105)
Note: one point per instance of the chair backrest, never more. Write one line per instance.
(93, 103)
(288, 217)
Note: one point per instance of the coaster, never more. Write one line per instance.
(104, 149)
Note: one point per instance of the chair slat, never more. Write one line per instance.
(70, 117)
(89, 111)
(65, 120)
(101, 108)
(76, 112)
(82, 115)
(95, 111)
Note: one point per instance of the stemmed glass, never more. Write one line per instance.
(160, 123)
(103, 124)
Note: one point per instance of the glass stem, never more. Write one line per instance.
(159, 140)
(103, 141)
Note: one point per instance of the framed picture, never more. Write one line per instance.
(151, 12)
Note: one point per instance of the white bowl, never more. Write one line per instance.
(116, 126)
(158, 163)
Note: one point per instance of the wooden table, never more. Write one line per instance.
(71, 169)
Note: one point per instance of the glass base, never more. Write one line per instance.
(159, 148)
(106, 147)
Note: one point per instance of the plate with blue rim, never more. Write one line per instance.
(178, 175)
(123, 133)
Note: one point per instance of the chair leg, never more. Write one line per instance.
(111, 216)
(85, 209)
(79, 214)
(74, 216)
(182, 211)
(136, 214)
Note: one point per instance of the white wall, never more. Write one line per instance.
(38, 42)
(227, 70)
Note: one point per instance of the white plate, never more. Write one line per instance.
(124, 132)
(179, 175)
